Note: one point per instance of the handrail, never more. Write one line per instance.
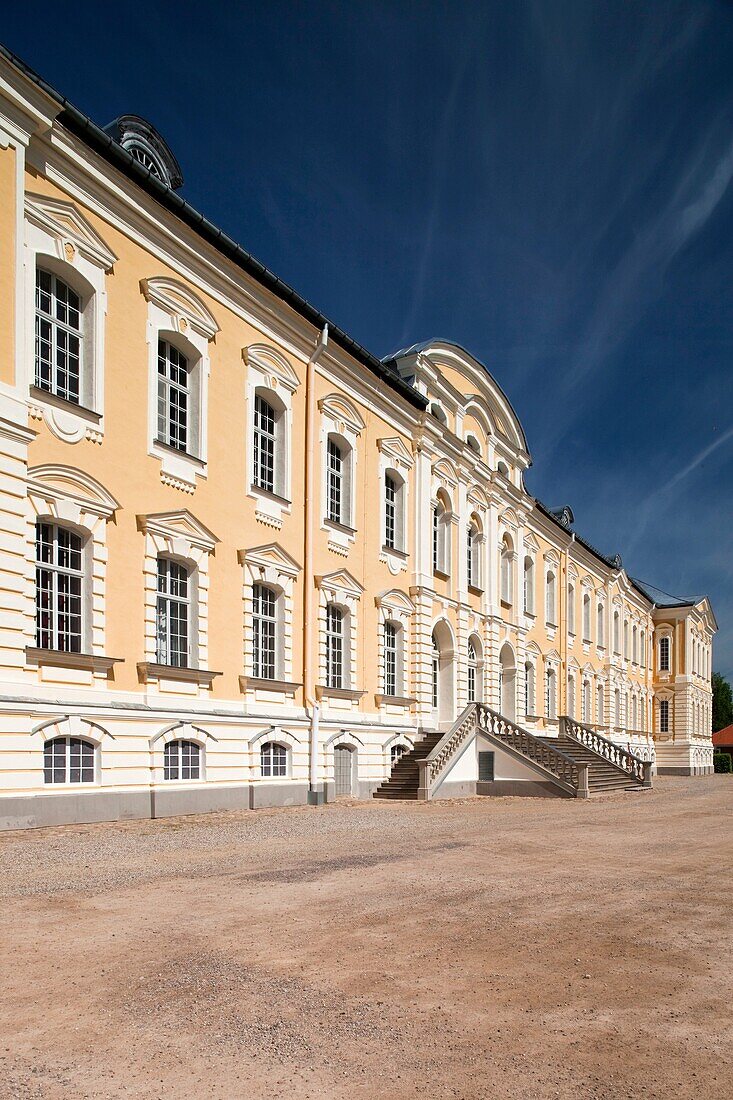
(568, 772)
(634, 766)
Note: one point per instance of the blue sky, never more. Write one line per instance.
(547, 183)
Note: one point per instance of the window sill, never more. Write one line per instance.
(395, 700)
(439, 573)
(335, 525)
(61, 659)
(258, 683)
(39, 394)
(474, 588)
(186, 455)
(150, 671)
(259, 491)
(401, 554)
(323, 692)
(552, 626)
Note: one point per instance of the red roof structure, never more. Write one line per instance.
(723, 739)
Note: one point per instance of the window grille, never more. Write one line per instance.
(390, 659)
(472, 555)
(436, 673)
(334, 647)
(273, 760)
(264, 445)
(172, 613)
(664, 716)
(664, 653)
(173, 396)
(182, 760)
(472, 670)
(68, 760)
(59, 580)
(58, 337)
(390, 512)
(264, 631)
(335, 474)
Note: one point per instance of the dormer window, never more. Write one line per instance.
(143, 142)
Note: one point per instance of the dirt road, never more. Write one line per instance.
(483, 948)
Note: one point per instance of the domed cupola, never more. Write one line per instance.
(146, 145)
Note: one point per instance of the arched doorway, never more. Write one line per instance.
(344, 768)
(507, 682)
(443, 653)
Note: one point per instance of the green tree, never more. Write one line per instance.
(722, 703)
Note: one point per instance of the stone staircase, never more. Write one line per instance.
(603, 776)
(404, 779)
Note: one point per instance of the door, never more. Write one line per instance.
(343, 766)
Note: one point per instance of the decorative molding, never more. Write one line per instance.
(185, 308)
(180, 530)
(71, 230)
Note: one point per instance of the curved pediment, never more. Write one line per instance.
(182, 304)
(341, 411)
(57, 483)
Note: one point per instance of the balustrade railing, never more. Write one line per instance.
(573, 777)
(635, 768)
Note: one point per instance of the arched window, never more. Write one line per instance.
(626, 639)
(507, 571)
(529, 690)
(336, 496)
(634, 713)
(394, 511)
(435, 669)
(182, 760)
(264, 632)
(59, 588)
(334, 647)
(441, 533)
(634, 643)
(391, 669)
(571, 609)
(174, 397)
(616, 633)
(438, 413)
(600, 626)
(474, 680)
(617, 708)
(396, 753)
(503, 469)
(550, 599)
(586, 617)
(474, 444)
(585, 715)
(173, 614)
(664, 653)
(273, 760)
(529, 585)
(473, 543)
(642, 648)
(550, 694)
(59, 337)
(68, 760)
(265, 442)
(664, 716)
(600, 708)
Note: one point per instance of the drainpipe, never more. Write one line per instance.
(316, 794)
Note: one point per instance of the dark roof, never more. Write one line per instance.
(82, 126)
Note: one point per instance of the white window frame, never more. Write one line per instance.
(667, 637)
(272, 376)
(341, 422)
(396, 608)
(268, 749)
(272, 567)
(67, 739)
(172, 571)
(529, 585)
(56, 570)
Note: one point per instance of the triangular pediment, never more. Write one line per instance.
(270, 556)
(340, 581)
(70, 228)
(182, 524)
(395, 449)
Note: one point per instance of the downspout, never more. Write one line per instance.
(316, 795)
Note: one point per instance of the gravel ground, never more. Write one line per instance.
(484, 947)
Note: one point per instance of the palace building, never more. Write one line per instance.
(246, 563)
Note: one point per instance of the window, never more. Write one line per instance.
(68, 760)
(396, 753)
(273, 760)
(600, 716)
(173, 397)
(335, 481)
(172, 614)
(585, 715)
(503, 469)
(600, 626)
(529, 689)
(626, 639)
(550, 599)
(617, 708)
(438, 413)
(642, 648)
(474, 444)
(264, 444)
(586, 617)
(58, 337)
(571, 609)
(435, 673)
(664, 654)
(634, 714)
(390, 511)
(528, 586)
(664, 716)
(472, 672)
(264, 632)
(550, 694)
(441, 528)
(59, 580)
(334, 646)
(472, 555)
(571, 696)
(507, 571)
(616, 634)
(634, 644)
(390, 659)
(182, 760)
